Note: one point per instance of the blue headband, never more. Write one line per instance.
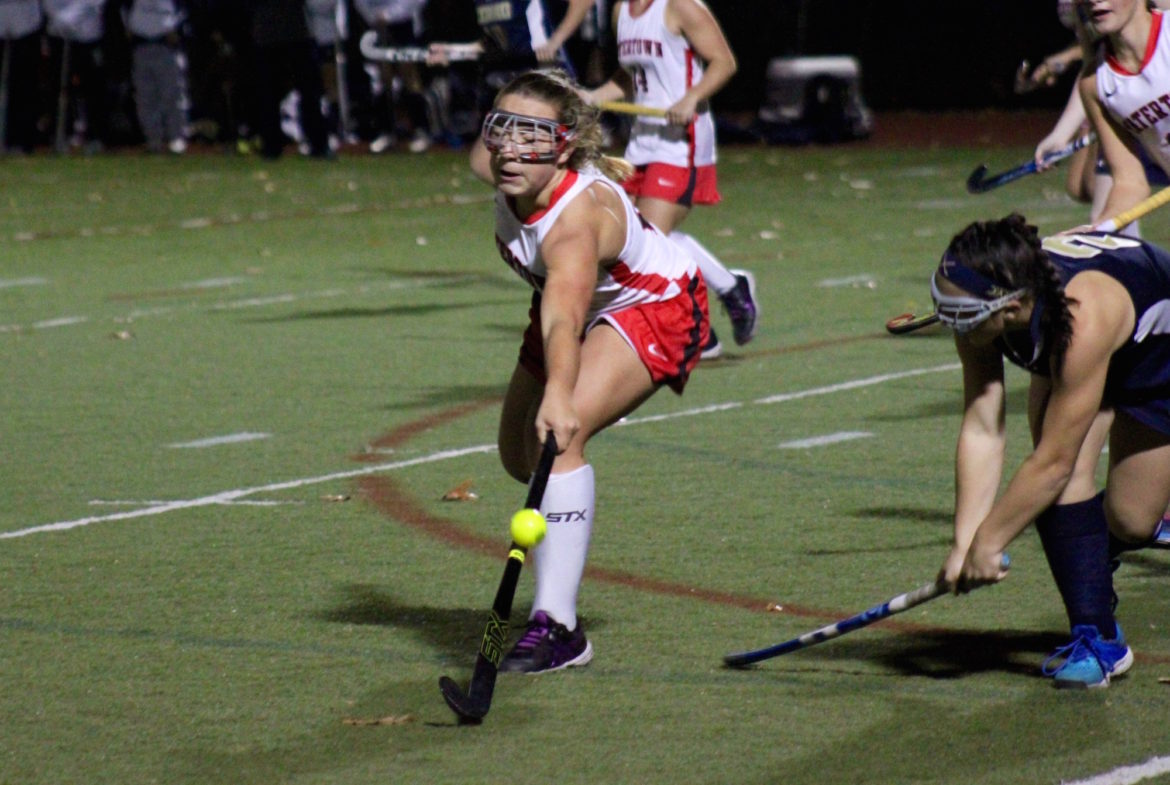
(967, 279)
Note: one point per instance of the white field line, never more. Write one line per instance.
(215, 441)
(822, 441)
(13, 282)
(1127, 775)
(230, 496)
(230, 305)
(140, 502)
(865, 279)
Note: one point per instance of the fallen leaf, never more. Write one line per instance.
(394, 719)
(461, 493)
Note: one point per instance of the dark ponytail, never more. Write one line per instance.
(1008, 251)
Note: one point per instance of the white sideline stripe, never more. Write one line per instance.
(1127, 775)
(11, 282)
(228, 496)
(821, 441)
(215, 441)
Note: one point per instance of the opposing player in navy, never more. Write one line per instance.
(618, 312)
(1089, 316)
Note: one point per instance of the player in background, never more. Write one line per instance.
(1080, 313)
(1122, 94)
(617, 312)
(674, 56)
(1089, 176)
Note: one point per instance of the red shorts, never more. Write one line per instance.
(675, 184)
(668, 336)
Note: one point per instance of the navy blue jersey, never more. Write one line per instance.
(513, 29)
(1139, 372)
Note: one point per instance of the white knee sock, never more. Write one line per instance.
(718, 277)
(559, 561)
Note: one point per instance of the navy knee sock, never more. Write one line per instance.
(1076, 541)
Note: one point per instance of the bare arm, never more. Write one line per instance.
(1119, 150)
(572, 252)
(979, 453)
(1102, 323)
(700, 27)
(574, 16)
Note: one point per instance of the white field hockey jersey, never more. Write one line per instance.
(663, 66)
(650, 268)
(1141, 102)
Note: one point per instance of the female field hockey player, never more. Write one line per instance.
(1086, 315)
(1090, 177)
(1122, 94)
(618, 311)
(673, 56)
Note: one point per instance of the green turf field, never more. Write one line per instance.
(236, 391)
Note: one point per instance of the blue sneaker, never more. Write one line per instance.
(1090, 660)
(1162, 534)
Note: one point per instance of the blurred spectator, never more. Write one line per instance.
(398, 23)
(329, 26)
(75, 28)
(285, 58)
(158, 73)
(20, 26)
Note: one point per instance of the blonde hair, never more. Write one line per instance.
(555, 88)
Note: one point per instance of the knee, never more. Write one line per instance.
(1130, 522)
(515, 460)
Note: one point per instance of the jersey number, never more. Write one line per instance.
(1086, 246)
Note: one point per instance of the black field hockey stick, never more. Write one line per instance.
(924, 593)
(908, 322)
(472, 706)
(979, 182)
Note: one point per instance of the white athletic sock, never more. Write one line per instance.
(559, 561)
(718, 277)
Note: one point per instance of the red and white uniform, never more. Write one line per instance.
(652, 295)
(663, 67)
(1141, 102)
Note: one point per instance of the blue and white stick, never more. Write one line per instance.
(867, 617)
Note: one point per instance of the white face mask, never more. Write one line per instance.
(963, 314)
(535, 140)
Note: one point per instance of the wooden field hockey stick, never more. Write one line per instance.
(472, 706)
(908, 322)
(979, 183)
(903, 602)
(625, 107)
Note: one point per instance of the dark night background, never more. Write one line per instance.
(914, 54)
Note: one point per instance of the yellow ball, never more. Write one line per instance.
(528, 528)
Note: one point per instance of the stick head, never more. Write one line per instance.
(460, 702)
(975, 183)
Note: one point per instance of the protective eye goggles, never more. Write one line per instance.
(964, 314)
(536, 140)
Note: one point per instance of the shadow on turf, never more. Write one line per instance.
(454, 632)
(374, 313)
(937, 655)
